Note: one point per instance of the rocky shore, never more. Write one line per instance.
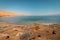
(29, 32)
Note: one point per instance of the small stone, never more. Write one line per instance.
(39, 35)
(7, 37)
(53, 32)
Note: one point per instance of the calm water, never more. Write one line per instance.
(31, 19)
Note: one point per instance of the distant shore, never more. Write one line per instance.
(9, 14)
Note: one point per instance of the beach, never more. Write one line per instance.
(34, 31)
(29, 19)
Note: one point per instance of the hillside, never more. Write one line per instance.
(8, 14)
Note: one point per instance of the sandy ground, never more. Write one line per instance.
(29, 32)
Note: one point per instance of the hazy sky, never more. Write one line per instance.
(31, 7)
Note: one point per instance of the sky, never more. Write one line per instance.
(31, 7)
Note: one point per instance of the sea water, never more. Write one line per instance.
(31, 19)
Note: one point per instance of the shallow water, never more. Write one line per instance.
(31, 19)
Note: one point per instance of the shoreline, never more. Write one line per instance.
(30, 23)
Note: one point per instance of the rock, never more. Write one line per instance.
(25, 36)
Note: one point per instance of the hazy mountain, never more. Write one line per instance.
(8, 14)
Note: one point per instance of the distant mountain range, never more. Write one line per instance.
(8, 14)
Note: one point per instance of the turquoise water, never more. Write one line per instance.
(31, 19)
